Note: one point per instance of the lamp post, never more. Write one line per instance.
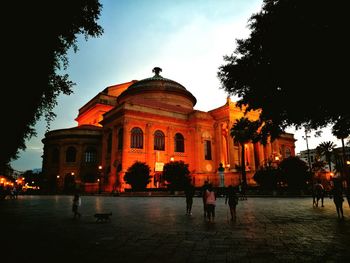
(57, 182)
(99, 178)
(307, 147)
(347, 170)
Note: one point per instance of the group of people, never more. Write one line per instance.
(8, 191)
(232, 197)
(336, 193)
(209, 200)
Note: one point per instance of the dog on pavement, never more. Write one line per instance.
(103, 217)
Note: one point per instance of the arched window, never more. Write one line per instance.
(288, 152)
(90, 155)
(136, 138)
(109, 143)
(159, 141)
(207, 150)
(71, 154)
(55, 155)
(120, 139)
(179, 143)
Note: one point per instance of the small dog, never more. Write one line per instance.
(103, 217)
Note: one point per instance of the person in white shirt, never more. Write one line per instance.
(210, 203)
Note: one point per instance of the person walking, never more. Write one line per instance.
(204, 189)
(337, 195)
(189, 193)
(319, 193)
(348, 194)
(75, 206)
(232, 200)
(210, 199)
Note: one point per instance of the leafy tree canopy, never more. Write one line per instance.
(326, 149)
(138, 176)
(177, 175)
(244, 130)
(36, 38)
(295, 172)
(267, 177)
(292, 64)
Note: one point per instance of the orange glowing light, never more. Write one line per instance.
(100, 167)
(172, 159)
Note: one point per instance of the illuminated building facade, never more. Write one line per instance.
(152, 121)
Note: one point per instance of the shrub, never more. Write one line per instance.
(295, 172)
(138, 176)
(267, 178)
(177, 175)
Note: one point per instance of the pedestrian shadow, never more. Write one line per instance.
(209, 226)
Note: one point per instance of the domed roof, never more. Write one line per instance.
(156, 84)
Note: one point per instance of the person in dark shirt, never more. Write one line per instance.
(337, 195)
(204, 188)
(232, 200)
(189, 193)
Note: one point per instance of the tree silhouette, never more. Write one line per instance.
(242, 132)
(326, 149)
(176, 174)
(341, 130)
(36, 47)
(296, 48)
(295, 172)
(138, 176)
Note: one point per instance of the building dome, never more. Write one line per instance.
(158, 89)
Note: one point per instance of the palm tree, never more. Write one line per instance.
(242, 132)
(326, 149)
(341, 130)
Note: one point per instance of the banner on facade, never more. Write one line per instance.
(159, 167)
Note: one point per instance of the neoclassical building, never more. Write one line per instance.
(153, 121)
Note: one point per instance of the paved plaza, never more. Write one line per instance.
(156, 229)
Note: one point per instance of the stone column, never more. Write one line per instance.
(198, 143)
(230, 157)
(169, 146)
(218, 142)
(126, 148)
(149, 150)
(112, 176)
(149, 144)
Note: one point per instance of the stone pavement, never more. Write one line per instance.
(156, 229)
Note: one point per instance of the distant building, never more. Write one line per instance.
(152, 121)
(337, 156)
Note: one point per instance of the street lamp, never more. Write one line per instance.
(307, 147)
(57, 182)
(99, 179)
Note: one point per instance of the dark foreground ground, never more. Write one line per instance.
(156, 229)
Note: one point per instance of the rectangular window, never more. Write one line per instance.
(207, 150)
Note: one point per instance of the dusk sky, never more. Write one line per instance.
(187, 39)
